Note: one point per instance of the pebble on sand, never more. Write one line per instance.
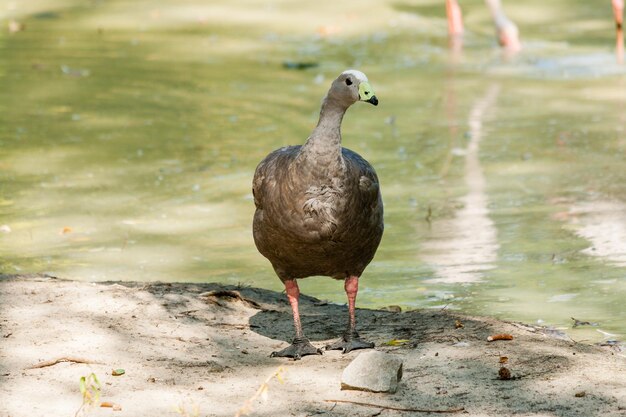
(373, 371)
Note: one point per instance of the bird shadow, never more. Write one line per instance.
(320, 320)
(323, 321)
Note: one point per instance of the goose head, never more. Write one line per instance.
(352, 86)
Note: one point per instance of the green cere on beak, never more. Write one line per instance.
(366, 93)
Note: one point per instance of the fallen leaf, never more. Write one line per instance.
(503, 336)
(66, 230)
(396, 342)
(117, 372)
(108, 404)
(504, 359)
(458, 324)
(580, 394)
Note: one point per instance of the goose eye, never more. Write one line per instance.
(348, 81)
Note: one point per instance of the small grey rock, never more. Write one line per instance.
(373, 371)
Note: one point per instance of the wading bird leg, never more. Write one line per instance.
(455, 18)
(618, 12)
(506, 30)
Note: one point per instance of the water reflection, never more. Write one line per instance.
(603, 224)
(461, 249)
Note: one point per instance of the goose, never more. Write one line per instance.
(319, 211)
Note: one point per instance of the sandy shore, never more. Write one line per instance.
(201, 349)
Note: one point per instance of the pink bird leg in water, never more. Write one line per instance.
(455, 18)
(506, 31)
(618, 12)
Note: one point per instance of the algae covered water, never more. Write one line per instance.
(129, 133)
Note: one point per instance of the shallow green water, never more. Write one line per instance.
(129, 135)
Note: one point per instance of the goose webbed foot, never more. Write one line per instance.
(349, 341)
(297, 349)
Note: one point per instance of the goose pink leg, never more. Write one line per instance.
(351, 340)
(300, 346)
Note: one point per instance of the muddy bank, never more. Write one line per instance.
(188, 347)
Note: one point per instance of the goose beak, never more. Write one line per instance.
(366, 93)
(373, 100)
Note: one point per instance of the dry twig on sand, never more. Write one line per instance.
(52, 362)
(415, 410)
